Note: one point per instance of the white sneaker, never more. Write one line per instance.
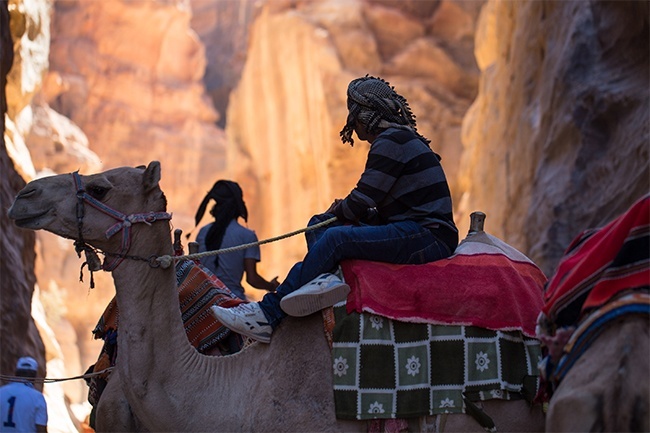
(321, 292)
(245, 319)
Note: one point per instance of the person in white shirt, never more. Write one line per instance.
(23, 408)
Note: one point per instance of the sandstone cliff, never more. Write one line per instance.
(557, 140)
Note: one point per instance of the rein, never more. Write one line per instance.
(86, 376)
(124, 225)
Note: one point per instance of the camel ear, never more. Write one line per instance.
(152, 176)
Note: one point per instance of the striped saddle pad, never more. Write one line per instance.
(198, 289)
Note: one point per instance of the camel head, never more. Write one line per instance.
(88, 207)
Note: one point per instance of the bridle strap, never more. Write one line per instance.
(124, 222)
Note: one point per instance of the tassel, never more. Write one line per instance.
(94, 264)
(81, 275)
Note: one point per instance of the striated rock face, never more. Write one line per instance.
(223, 28)
(557, 140)
(18, 333)
(129, 74)
(24, 327)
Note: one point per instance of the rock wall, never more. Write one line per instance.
(123, 87)
(24, 326)
(557, 140)
(129, 74)
(223, 27)
(55, 90)
(18, 333)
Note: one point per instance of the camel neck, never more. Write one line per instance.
(150, 325)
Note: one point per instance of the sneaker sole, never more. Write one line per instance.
(300, 305)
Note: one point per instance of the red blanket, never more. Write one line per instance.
(601, 263)
(486, 283)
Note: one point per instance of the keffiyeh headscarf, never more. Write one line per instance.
(376, 105)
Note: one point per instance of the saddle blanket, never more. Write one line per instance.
(637, 303)
(485, 283)
(603, 275)
(198, 289)
(599, 264)
(386, 369)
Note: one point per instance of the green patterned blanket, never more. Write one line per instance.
(389, 369)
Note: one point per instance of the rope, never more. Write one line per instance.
(51, 380)
(165, 261)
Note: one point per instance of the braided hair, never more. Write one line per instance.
(229, 205)
(377, 106)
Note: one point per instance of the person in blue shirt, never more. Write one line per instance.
(23, 408)
(399, 212)
(225, 232)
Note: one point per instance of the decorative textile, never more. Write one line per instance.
(375, 104)
(485, 283)
(605, 274)
(198, 289)
(599, 264)
(328, 324)
(593, 325)
(563, 349)
(389, 369)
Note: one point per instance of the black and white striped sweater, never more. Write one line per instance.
(402, 180)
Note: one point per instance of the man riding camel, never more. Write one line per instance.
(400, 212)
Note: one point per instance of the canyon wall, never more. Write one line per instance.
(223, 27)
(18, 333)
(24, 326)
(539, 109)
(558, 138)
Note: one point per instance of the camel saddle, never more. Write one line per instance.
(603, 276)
(414, 340)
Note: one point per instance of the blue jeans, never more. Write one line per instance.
(404, 242)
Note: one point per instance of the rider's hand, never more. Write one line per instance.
(333, 206)
(275, 284)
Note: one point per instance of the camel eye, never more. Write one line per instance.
(98, 192)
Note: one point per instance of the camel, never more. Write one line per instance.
(608, 388)
(161, 382)
(595, 325)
